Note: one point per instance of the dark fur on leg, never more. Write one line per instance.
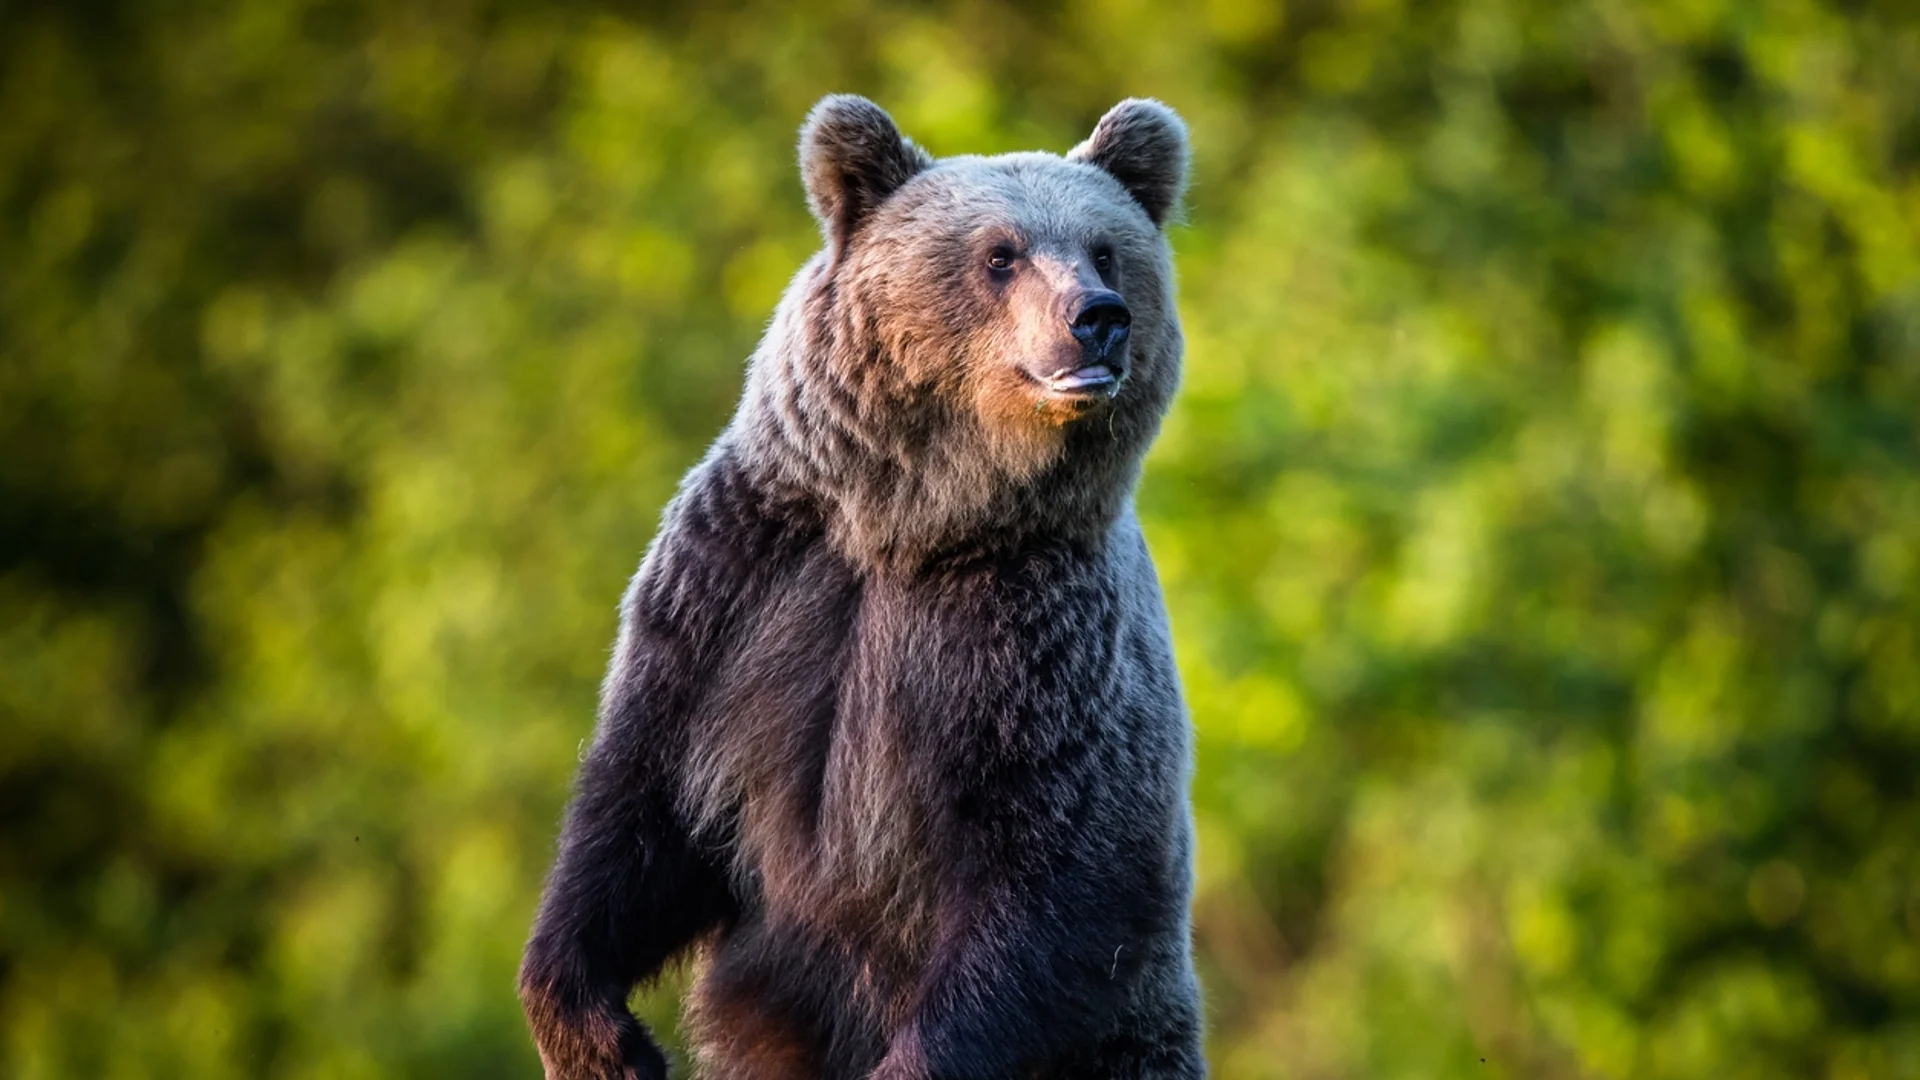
(632, 887)
(626, 895)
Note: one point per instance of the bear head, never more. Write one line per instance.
(985, 345)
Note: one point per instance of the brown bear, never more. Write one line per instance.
(892, 743)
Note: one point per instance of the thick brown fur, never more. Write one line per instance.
(892, 742)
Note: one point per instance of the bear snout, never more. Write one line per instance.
(1100, 322)
(1093, 365)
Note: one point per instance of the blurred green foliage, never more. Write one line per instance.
(1540, 520)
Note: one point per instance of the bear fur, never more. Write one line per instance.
(892, 743)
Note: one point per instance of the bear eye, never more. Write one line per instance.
(1103, 260)
(1000, 259)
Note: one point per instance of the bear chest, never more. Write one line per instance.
(820, 747)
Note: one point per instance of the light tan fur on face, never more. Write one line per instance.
(1012, 409)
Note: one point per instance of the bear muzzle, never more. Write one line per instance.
(1099, 322)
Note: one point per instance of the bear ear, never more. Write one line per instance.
(1142, 144)
(852, 157)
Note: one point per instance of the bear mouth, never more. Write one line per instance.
(1091, 381)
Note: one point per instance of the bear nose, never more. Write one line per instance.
(1101, 323)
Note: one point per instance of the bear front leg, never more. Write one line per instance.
(631, 887)
(626, 894)
(1022, 986)
(1158, 1042)
(995, 1041)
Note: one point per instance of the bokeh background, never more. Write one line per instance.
(1540, 518)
